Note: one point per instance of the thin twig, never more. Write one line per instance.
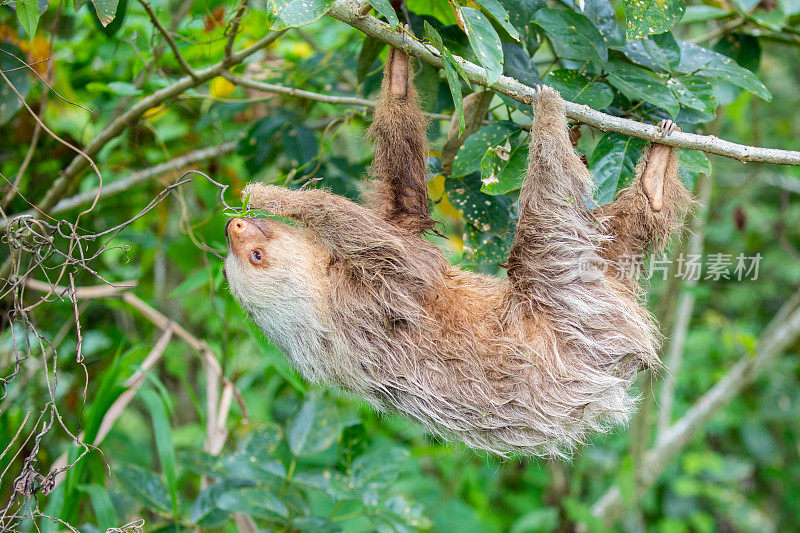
(170, 41)
(348, 12)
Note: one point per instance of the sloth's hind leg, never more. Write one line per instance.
(650, 209)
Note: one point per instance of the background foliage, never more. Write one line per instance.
(294, 457)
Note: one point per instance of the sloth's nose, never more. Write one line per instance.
(237, 226)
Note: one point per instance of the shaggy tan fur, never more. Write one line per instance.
(531, 364)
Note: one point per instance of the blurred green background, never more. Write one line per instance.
(260, 449)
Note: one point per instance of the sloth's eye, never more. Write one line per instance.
(256, 255)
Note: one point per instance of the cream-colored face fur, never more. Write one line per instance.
(277, 274)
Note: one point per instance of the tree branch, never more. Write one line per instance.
(348, 12)
(64, 184)
(131, 181)
(170, 41)
(317, 97)
(777, 336)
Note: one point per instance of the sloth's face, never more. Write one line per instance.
(270, 263)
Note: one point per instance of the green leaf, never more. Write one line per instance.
(704, 62)
(613, 163)
(256, 502)
(572, 35)
(204, 511)
(499, 14)
(489, 214)
(106, 10)
(702, 13)
(639, 84)
(314, 427)
(378, 469)
(28, 16)
(469, 156)
(692, 163)
(503, 168)
(604, 18)
(580, 89)
(789, 7)
(742, 48)
(294, 13)
(482, 248)
(519, 65)
(694, 92)
(163, 437)
(485, 43)
(646, 17)
(520, 14)
(658, 52)
(450, 73)
(145, 486)
(385, 8)
(12, 61)
(102, 505)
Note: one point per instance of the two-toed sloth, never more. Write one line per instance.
(359, 300)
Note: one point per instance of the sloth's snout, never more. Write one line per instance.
(237, 227)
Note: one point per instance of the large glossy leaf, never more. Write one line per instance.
(692, 163)
(499, 14)
(639, 84)
(483, 248)
(742, 48)
(11, 59)
(580, 89)
(658, 52)
(704, 62)
(489, 214)
(145, 486)
(613, 163)
(252, 501)
(469, 156)
(484, 42)
(314, 427)
(519, 65)
(204, 511)
(503, 168)
(694, 92)
(294, 13)
(646, 17)
(106, 10)
(572, 35)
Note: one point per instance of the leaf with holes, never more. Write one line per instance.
(294, 13)
(503, 168)
(483, 248)
(489, 214)
(639, 84)
(646, 17)
(613, 163)
(484, 42)
(704, 62)
(694, 92)
(106, 10)
(580, 89)
(572, 35)
(469, 156)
